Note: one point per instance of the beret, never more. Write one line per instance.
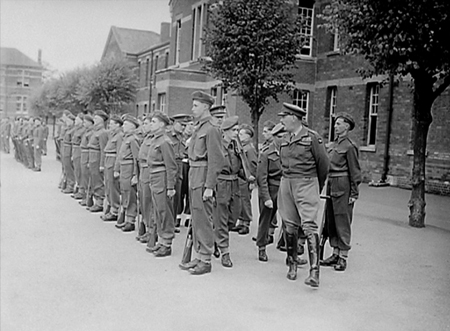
(291, 109)
(71, 117)
(269, 124)
(279, 128)
(131, 119)
(102, 114)
(229, 122)
(162, 117)
(248, 128)
(347, 118)
(182, 118)
(116, 118)
(203, 97)
(89, 118)
(218, 110)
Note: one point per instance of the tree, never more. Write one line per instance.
(253, 44)
(108, 86)
(401, 37)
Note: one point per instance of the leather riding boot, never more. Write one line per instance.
(291, 246)
(313, 250)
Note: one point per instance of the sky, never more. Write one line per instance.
(73, 33)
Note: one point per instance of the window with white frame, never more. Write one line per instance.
(336, 40)
(199, 13)
(373, 114)
(177, 41)
(162, 102)
(306, 11)
(301, 99)
(332, 112)
(147, 71)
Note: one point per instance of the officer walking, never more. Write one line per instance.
(205, 161)
(343, 181)
(304, 163)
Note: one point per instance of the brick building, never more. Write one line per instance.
(20, 77)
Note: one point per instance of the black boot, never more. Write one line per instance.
(121, 219)
(313, 250)
(291, 246)
(142, 230)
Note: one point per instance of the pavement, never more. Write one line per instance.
(62, 268)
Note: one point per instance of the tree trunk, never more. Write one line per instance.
(421, 119)
(255, 115)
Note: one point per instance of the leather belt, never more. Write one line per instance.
(157, 169)
(338, 174)
(126, 162)
(227, 177)
(110, 154)
(94, 149)
(198, 163)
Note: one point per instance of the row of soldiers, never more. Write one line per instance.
(29, 137)
(159, 166)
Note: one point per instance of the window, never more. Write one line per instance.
(162, 102)
(332, 91)
(373, 114)
(301, 99)
(306, 11)
(145, 108)
(156, 69)
(214, 94)
(147, 69)
(166, 63)
(336, 41)
(139, 73)
(177, 41)
(198, 22)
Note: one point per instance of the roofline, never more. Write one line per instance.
(154, 47)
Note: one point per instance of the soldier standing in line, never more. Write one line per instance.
(76, 153)
(184, 206)
(179, 145)
(44, 143)
(162, 165)
(14, 133)
(145, 194)
(218, 114)
(96, 145)
(268, 179)
(126, 170)
(228, 192)
(59, 143)
(7, 135)
(304, 165)
(246, 134)
(112, 189)
(206, 161)
(38, 140)
(88, 123)
(29, 150)
(69, 173)
(343, 181)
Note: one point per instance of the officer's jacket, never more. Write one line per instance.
(269, 170)
(252, 156)
(343, 155)
(97, 143)
(160, 158)
(144, 176)
(128, 152)
(28, 135)
(304, 155)
(112, 147)
(206, 146)
(76, 140)
(232, 161)
(84, 144)
(38, 136)
(46, 131)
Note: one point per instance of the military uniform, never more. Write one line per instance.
(38, 140)
(76, 153)
(304, 164)
(29, 149)
(246, 216)
(44, 143)
(126, 166)
(84, 166)
(180, 149)
(145, 193)
(205, 163)
(67, 159)
(112, 187)
(162, 167)
(96, 145)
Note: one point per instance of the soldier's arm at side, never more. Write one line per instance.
(102, 141)
(215, 157)
(354, 170)
(168, 154)
(261, 176)
(322, 160)
(135, 152)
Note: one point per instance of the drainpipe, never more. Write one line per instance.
(388, 130)
(150, 84)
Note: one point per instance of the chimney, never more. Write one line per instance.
(165, 32)
(40, 56)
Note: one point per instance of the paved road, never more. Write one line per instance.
(62, 268)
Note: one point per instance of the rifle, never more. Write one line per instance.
(244, 160)
(187, 252)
